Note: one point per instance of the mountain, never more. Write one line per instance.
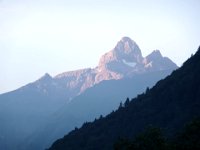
(170, 104)
(27, 111)
(101, 99)
(125, 60)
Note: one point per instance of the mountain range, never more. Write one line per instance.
(169, 105)
(38, 113)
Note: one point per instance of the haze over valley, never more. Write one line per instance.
(99, 75)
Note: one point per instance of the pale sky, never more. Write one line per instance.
(54, 36)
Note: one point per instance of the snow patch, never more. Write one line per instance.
(149, 65)
(130, 64)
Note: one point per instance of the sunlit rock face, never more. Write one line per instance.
(124, 60)
(77, 81)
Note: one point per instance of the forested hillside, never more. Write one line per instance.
(169, 105)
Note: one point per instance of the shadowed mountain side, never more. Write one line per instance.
(100, 99)
(106, 96)
(170, 104)
(22, 115)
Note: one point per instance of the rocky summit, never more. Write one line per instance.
(124, 60)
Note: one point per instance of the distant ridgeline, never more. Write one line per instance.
(163, 111)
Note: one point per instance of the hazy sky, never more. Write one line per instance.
(54, 36)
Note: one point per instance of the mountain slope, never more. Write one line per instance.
(101, 99)
(25, 112)
(169, 104)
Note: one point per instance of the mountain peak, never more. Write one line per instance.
(127, 46)
(126, 39)
(126, 58)
(155, 54)
(126, 50)
(45, 77)
(155, 61)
